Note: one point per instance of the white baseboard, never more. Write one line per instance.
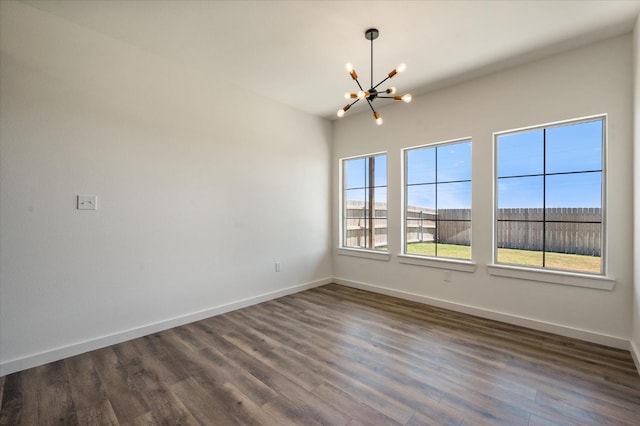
(589, 336)
(52, 355)
(635, 354)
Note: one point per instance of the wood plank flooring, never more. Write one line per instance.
(333, 356)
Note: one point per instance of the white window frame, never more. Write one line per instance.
(461, 265)
(365, 253)
(548, 275)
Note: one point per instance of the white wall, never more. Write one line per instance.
(201, 189)
(635, 336)
(582, 82)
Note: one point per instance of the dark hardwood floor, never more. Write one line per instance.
(333, 356)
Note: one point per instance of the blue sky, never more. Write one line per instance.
(569, 149)
(572, 148)
(357, 172)
(453, 166)
(357, 175)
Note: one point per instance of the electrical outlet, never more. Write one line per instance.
(447, 276)
(277, 266)
(87, 202)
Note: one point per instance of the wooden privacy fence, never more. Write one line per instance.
(454, 225)
(568, 230)
(357, 224)
(573, 230)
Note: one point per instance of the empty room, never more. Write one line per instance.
(319, 212)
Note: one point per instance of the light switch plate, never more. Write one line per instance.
(87, 202)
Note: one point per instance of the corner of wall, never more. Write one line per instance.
(635, 327)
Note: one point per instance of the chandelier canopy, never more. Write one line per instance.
(373, 93)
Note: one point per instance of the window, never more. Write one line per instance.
(549, 199)
(437, 207)
(365, 202)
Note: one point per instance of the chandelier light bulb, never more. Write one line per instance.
(361, 94)
(401, 68)
(406, 98)
(348, 95)
(391, 90)
(378, 118)
(341, 112)
(351, 71)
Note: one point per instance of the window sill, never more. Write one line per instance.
(554, 277)
(366, 254)
(440, 263)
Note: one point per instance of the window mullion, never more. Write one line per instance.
(544, 197)
(371, 229)
(436, 201)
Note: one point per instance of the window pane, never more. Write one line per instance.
(355, 173)
(355, 214)
(380, 234)
(574, 262)
(574, 190)
(574, 214)
(356, 237)
(454, 162)
(420, 227)
(454, 196)
(574, 148)
(522, 236)
(573, 246)
(355, 198)
(421, 165)
(520, 257)
(380, 170)
(454, 239)
(380, 195)
(523, 192)
(380, 199)
(520, 243)
(454, 251)
(422, 248)
(522, 214)
(521, 153)
(421, 197)
(573, 238)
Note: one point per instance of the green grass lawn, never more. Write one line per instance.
(568, 262)
(444, 250)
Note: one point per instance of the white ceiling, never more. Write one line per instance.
(295, 51)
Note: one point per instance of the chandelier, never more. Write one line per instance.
(373, 93)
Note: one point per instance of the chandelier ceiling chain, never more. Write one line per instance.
(372, 94)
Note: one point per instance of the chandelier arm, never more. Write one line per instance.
(376, 86)
(370, 105)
